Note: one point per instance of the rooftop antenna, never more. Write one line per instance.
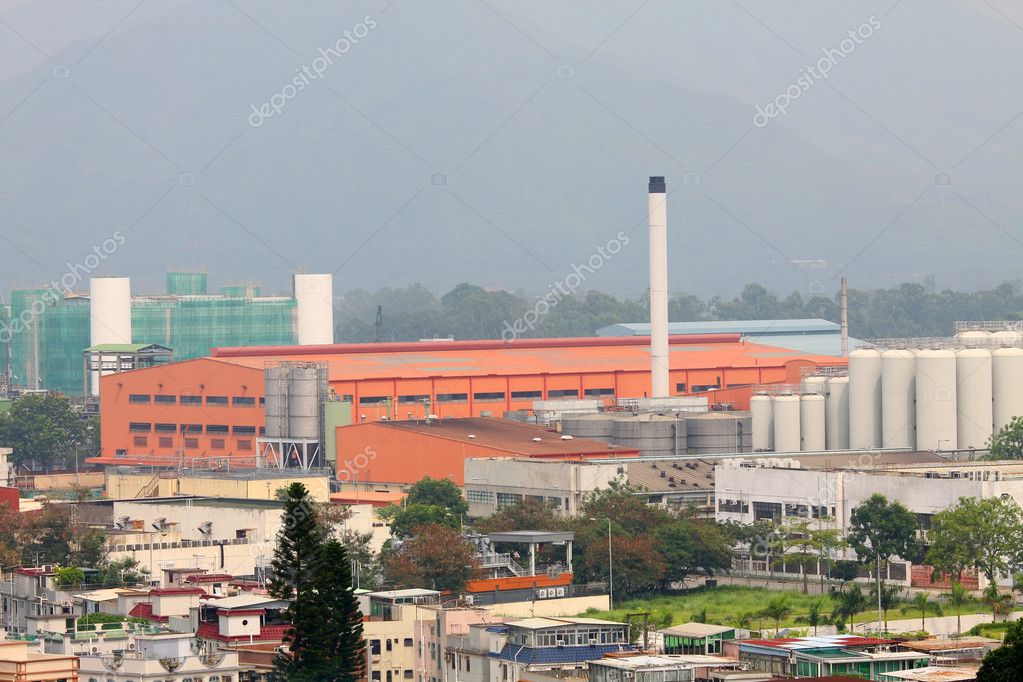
(378, 325)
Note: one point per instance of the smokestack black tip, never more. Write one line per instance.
(657, 185)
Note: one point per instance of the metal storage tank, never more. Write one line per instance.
(864, 398)
(898, 398)
(1007, 337)
(275, 401)
(596, 426)
(314, 300)
(719, 432)
(786, 423)
(651, 434)
(813, 384)
(303, 403)
(974, 338)
(811, 422)
(1007, 385)
(973, 397)
(762, 422)
(936, 427)
(836, 414)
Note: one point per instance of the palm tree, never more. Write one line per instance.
(776, 610)
(957, 597)
(921, 602)
(813, 616)
(852, 601)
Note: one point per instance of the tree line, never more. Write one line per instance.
(472, 312)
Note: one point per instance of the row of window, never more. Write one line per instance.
(211, 678)
(191, 443)
(146, 427)
(489, 396)
(211, 400)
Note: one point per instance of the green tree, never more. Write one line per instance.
(527, 514)
(983, 534)
(122, 572)
(957, 597)
(880, 530)
(430, 501)
(42, 429)
(851, 601)
(406, 522)
(436, 557)
(1004, 663)
(813, 616)
(335, 648)
(777, 609)
(1008, 442)
(801, 544)
(692, 547)
(69, 576)
(438, 492)
(921, 603)
(889, 600)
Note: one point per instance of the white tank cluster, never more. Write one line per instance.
(797, 421)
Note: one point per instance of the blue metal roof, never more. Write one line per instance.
(559, 654)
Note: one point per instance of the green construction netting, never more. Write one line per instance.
(186, 283)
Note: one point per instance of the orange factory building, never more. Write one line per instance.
(211, 408)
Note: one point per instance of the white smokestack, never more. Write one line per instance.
(314, 298)
(658, 211)
(109, 315)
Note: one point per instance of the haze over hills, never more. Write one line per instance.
(499, 142)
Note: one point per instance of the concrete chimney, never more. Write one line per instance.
(658, 212)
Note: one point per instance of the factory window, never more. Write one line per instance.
(491, 396)
(243, 401)
(767, 510)
(452, 397)
(165, 399)
(244, 429)
(166, 428)
(598, 392)
(262, 430)
(558, 501)
(216, 428)
(680, 388)
(140, 441)
(139, 398)
(191, 428)
(563, 393)
(508, 499)
(217, 443)
(166, 442)
(526, 395)
(244, 444)
(191, 400)
(192, 443)
(140, 427)
(479, 496)
(733, 506)
(406, 399)
(372, 399)
(262, 400)
(216, 400)
(704, 388)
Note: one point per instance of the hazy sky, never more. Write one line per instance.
(502, 142)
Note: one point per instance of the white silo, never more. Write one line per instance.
(314, 299)
(1007, 338)
(974, 338)
(813, 384)
(898, 399)
(762, 414)
(109, 316)
(936, 421)
(811, 422)
(973, 397)
(786, 423)
(1007, 385)
(864, 398)
(836, 413)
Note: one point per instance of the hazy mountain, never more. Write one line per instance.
(500, 142)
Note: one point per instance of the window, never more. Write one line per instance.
(216, 400)
(243, 401)
(374, 646)
(244, 444)
(408, 641)
(389, 645)
(191, 400)
(407, 674)
(217, 443)
(192, 443)
(527, 395)
(452, 397)
(733, 506)
(479, 496)
(375, 675)
(191, 428)
(563, 393)
(140, 441)
(140, 427)
(166, 428)
(508, 499)
(372, 399)
(766, 510)
(680, 388)
(216, 428)
(488, 397)
(166, 442)
(250, 430)
(598, 392)
(165, 399)
(262, 400)
(407, 399)
(262, 430)
(139, 398)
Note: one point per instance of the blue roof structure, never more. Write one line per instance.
(559, 654)
(814, 335)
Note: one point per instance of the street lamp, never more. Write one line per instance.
(610, 567)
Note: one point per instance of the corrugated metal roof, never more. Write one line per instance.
(561, 654)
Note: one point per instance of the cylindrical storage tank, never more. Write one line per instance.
(275, 401)
(314, 302)
(595, 426)
(973, 397)
(714, 433)
(303, 403)
(936, 421)
(652, 434)
(1007, 385)
(1006, 337)
(898, 399)
(974, 338)
(762, 422)
(836, 414)
(813, 384)
(786, 423)
(864, 398)
(109, 310)
(811, 422)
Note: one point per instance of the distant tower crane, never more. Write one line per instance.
(379, 324)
